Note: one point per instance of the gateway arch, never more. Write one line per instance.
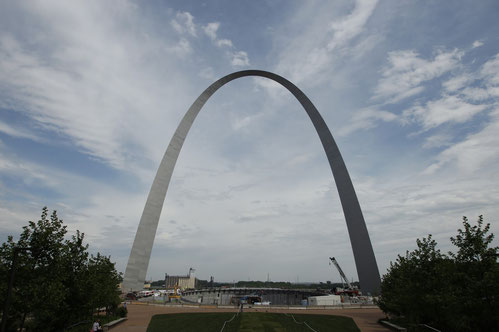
(365, 261)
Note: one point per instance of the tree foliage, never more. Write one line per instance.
(57, 282)
(454, 292)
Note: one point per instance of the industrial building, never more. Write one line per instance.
(182, 282)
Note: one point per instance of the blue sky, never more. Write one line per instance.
(91, 92)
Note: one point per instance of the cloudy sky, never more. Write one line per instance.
(92, 91)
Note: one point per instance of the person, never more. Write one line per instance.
(96, 327)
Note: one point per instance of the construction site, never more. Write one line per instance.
(182, 289)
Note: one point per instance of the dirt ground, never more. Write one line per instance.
(139, 315)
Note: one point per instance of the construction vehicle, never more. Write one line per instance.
(176, 295)
(349, 289)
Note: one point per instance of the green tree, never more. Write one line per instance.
(102, 282)
(454, 292)
(75, 270)
(36, 267)
(412, 284)
(475, 279)
(55, 284)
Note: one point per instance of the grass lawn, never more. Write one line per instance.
(188, 322)
(250, 321)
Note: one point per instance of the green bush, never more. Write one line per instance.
(122, 312)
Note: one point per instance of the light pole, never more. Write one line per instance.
(6, 306)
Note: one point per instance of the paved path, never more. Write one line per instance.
(139, 315)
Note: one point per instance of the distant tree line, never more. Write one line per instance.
(158, 283)
(457, 291)
(57, 283)
(201, 284)
(328, 285)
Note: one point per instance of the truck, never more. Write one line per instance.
(347, 289)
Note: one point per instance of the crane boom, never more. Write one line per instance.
(333, 260)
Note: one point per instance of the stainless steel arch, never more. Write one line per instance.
(365, 260)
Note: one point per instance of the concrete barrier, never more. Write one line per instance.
(113, 323)
(393, 326)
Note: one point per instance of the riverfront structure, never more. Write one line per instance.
(182, 282)
(365, 261)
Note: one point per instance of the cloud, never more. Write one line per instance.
(211, 30)
(17, 132)
(111, 94)
(27, 171)
(257, 216)
(91, 84)
(490, 71)
(464, 95)
(313, 52)
(314, 61)
(480, 86)
(475, 151)
(224, 43)
(240, 59)
(449, 109)
(112, 81)
(478, 148)
(437, 141)
(182, 48)
(207, 73)
(365, 119)
(352, 25)
(184, 23)
(479, 94)
(84, 203)
(406, 72)
(477, 43)
(458, 82)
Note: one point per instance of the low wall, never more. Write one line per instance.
(230, 296)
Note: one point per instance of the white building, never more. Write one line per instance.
(324, 300)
